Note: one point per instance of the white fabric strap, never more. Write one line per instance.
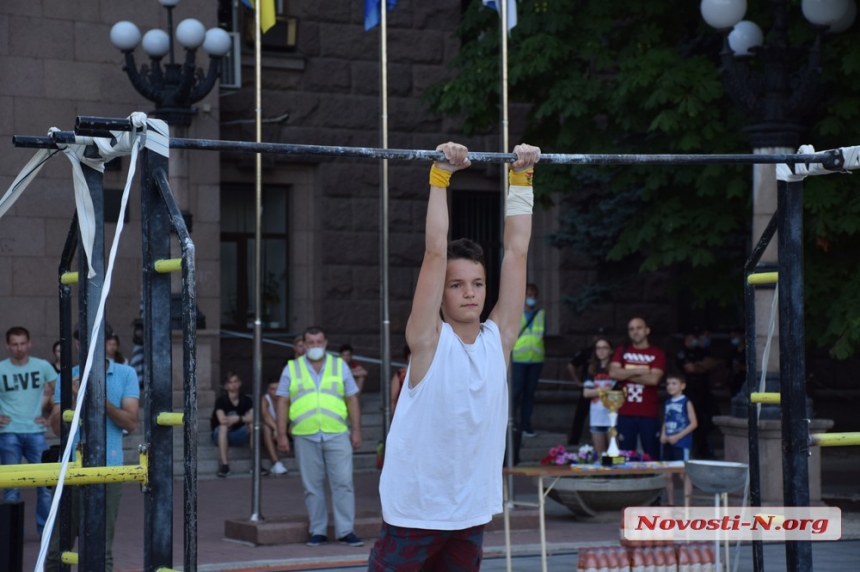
(799, 171)
(27, 174)
(520, 201)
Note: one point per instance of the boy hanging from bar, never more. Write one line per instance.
(442, 479)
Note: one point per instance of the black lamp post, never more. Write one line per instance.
(173, 87)
(781, 97)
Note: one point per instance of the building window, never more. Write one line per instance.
(476, 215)
(237, 257)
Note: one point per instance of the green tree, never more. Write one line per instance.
(642, 77)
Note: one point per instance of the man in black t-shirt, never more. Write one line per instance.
(695, 361)
(231, 419)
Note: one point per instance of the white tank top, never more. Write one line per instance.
(271, 406)
(445, 451)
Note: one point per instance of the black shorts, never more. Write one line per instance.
(672, 453)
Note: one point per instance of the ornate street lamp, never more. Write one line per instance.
(173, 87)
(780, 98)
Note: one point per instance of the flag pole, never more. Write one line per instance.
(256, 515)
(503, 187)
(385, 381)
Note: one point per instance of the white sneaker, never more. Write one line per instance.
(278, 469)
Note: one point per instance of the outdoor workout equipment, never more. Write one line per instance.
(160, 214)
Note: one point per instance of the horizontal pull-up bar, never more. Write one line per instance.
(763, 278)
(96, 127)
(772, 398)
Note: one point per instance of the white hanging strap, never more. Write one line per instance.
(799, 171)
(27, 174)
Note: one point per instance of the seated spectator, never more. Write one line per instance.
(358, 372)
(270, 427)
(234, 412)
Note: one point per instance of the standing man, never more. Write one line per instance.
(639, 366)
(528, 357)
(122, 403)
(695, 361)
(26, 389)
(316, 393)
(441, 482)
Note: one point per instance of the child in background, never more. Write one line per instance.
(678, 425)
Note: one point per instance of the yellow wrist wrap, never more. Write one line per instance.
(523, 179)
(439, 178)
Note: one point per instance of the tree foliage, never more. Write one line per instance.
(642, 77)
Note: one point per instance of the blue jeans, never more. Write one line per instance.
(14, 447)
(525, 380)
(646, 428)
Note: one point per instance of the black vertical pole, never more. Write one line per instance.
(189, 368)
(157, 377)
(65, 516)
(752, 418)
(91, 527)
(795, 432)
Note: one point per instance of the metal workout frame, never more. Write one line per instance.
(160, 214)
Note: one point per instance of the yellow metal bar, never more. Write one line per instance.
(765, 398)
(166, 570)
(168, 419)
(168, 265)
(70, 558)
(28, 468)
(47, 474)
(763, 278)
(69, 278)
(835, 439)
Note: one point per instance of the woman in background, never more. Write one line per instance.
(597, 380)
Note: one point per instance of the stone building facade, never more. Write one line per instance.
(320, 86)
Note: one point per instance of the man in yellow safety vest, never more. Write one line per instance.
(317, 393)
(527, 360)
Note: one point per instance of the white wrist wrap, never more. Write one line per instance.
(520, 201)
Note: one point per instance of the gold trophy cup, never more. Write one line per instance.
(612, 400)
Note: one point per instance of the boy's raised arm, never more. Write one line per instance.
(424, 325)
(518, 228)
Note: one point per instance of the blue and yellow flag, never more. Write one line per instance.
(267, 13)
(371, 12)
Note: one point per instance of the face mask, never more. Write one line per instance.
(706, 343)
(736, 341)
(694, 343)
(315, 354)
(531, 302)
